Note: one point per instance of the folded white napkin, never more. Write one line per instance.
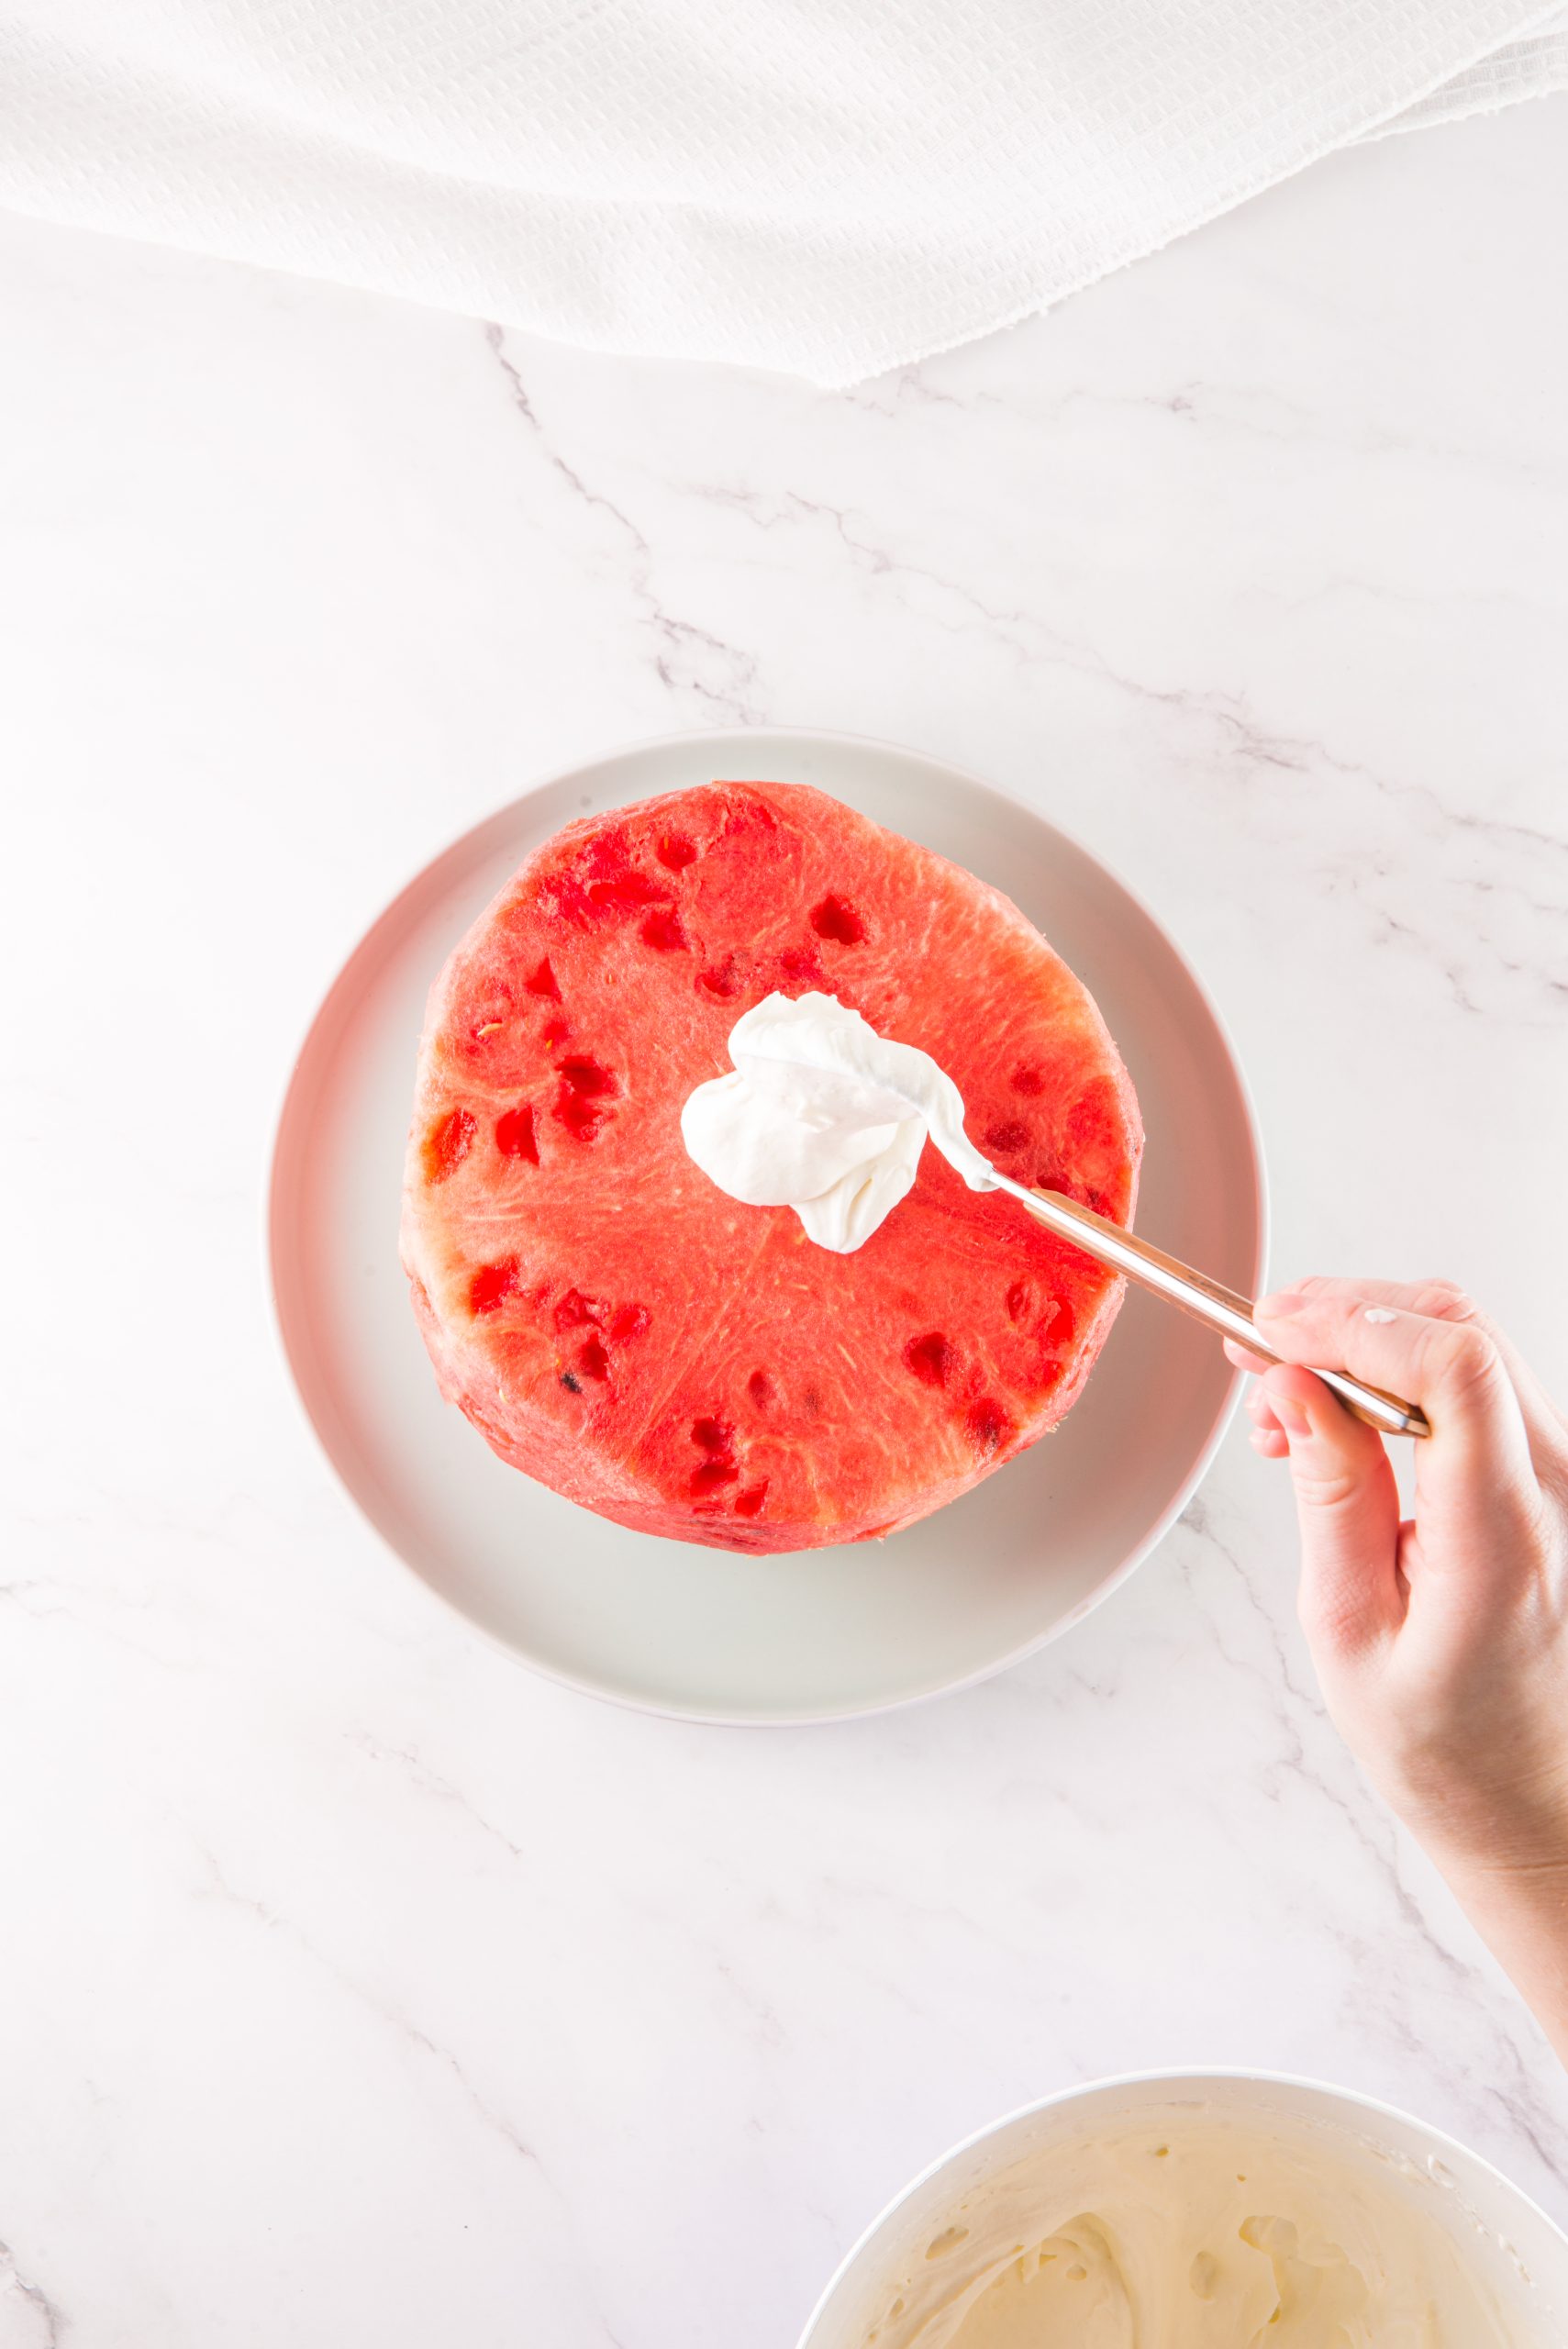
(827, 186)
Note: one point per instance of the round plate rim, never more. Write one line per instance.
(808, 1715)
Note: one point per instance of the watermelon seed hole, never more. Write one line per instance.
(988, 1424)
(716, 1439)
(492, 1284)
(931, 1358)
(448, 1142)
(721, 981)
(663, 929)
(580, 1101)
(835, 918)
(515, 1135)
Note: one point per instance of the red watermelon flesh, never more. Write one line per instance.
(618, 1328)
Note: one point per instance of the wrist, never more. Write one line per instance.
(1519, 1907)
(1488, 1835)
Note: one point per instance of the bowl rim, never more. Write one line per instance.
(1191, 2075)
(705, 740)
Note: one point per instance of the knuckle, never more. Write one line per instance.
(1326, 1488)
(1470, 1361)
(1445, 1301)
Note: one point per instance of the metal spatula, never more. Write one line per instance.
(1207, 1301)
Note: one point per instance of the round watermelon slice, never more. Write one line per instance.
(615, 1325)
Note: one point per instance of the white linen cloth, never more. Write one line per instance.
(831, 187)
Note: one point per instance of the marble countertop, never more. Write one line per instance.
(357, 1987)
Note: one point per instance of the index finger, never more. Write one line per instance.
(1478, 1457)
(1442, 1300)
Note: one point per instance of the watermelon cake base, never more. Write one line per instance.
(617, 1328)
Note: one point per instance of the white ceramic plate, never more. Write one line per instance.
(821, 1634)
(1509, 2241)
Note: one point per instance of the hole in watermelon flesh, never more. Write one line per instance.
(447, 1144)
(491, 1283)
(989, 1426)
(582, 1119)
(1010, 1134)
(515, 1136)
(1061, 1326)
(592, 1361)
(625, 893)
(745, 815)
(1019, 1299)
(631, 1322)
(573, 1310)
(716, 1439)
(930, 1358)
(722, 980)
(543, 981)
(750, 1502)
(1028, 1079)
(762, 1390)
(677, 851)
(836, 918)
(580, 1102)
(799, 963)
(663, 929)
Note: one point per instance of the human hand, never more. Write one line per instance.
(1442, 1643)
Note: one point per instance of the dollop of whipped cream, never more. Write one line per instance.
(823, 1115)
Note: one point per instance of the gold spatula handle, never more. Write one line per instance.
(1207, 1301)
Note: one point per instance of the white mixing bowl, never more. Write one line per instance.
(1506, 2240)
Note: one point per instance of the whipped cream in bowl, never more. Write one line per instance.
(1203, 2210)
(822, 1114)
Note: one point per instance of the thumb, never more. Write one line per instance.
(1348, 1506)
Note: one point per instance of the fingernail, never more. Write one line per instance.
(1280, 1308)
(1290, 1415)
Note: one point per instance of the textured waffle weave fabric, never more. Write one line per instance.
(831, 187)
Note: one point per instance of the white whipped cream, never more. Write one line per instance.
(823, 1115)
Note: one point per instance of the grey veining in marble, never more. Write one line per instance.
(354, 1986)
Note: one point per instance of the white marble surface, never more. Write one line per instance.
(355, 1986)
